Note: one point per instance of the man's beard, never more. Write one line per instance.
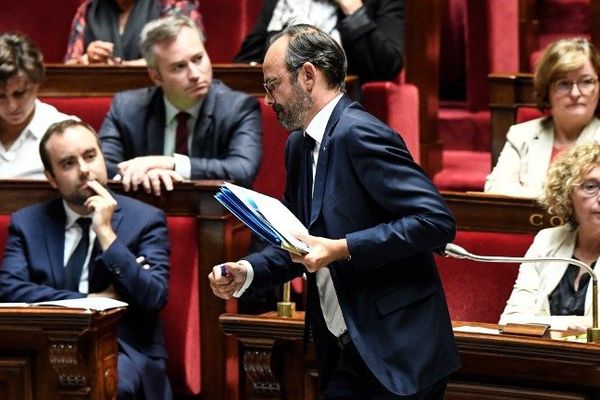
(293, 116)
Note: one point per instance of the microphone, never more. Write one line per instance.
(593, 333)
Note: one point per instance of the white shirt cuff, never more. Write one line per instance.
(249, 278)
(183, 165)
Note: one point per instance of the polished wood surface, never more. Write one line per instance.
(422, 60)
(220, 237)
(49, 353)
(106, 80)
(508, 92)
(494, 366)
(476, 211)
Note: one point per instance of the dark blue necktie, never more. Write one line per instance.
(77, 259)
(312, 295)
(309, 145)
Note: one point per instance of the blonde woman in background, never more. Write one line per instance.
(559, 293)
(566, 87)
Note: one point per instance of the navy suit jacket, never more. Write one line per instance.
(33, 270)
(226, 141)
(369, 190)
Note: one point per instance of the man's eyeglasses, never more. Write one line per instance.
(590, 188)
(271, 83)
(586, 86)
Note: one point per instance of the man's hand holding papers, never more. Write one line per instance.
(266, 216)
(323, 252)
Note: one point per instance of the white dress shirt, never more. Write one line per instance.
(183, 165)
(73, 235)
(322, 14)
(22, 159)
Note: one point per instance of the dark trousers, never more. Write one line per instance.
(351, 379)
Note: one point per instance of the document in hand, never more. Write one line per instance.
(266, 216)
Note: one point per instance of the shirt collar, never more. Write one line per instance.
(171, 111)
(38, 124)
(316, 127)
(72, 216)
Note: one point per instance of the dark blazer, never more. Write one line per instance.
(227, 138)
(373, 39)
(369, 190)
(33, 271)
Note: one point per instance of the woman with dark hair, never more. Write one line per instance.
(23, 118)
(108, 31)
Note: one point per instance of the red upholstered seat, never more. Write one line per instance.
(463, 170)
(181, 316)
(478, 291)
(396, 104)
(226, 23)
(271, 174)
(89, 109)
(47, 23)
(4, 222)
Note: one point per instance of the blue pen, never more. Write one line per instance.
(224, 271)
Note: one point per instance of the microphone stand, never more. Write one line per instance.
(593, 333)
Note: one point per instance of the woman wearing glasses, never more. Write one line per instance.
(559, 293)
(566, 88)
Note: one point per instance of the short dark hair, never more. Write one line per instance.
(19, 55)
(58, 128)
(307, 43)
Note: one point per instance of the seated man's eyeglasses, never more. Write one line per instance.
(586, 86)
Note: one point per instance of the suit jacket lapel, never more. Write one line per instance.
(204, 122)
(55, 242)
(155, 134)
(323, 162)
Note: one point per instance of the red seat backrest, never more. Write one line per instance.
(526, 113)
(181, 316)
(271, 174)
(478, 291)
(226, 23)
(4, 222)
(47, 23)
(89, 109)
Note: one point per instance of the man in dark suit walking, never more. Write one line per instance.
(375, 301)
(91, 242)
(187, 127)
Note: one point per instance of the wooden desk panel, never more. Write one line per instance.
(508, 92)
(49, 353)
(496, 213)
(493, 366)
(105, 80)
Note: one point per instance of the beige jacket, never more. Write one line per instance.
(525, 158)
(528, 301)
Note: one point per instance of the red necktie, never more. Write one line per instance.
(181, 137)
